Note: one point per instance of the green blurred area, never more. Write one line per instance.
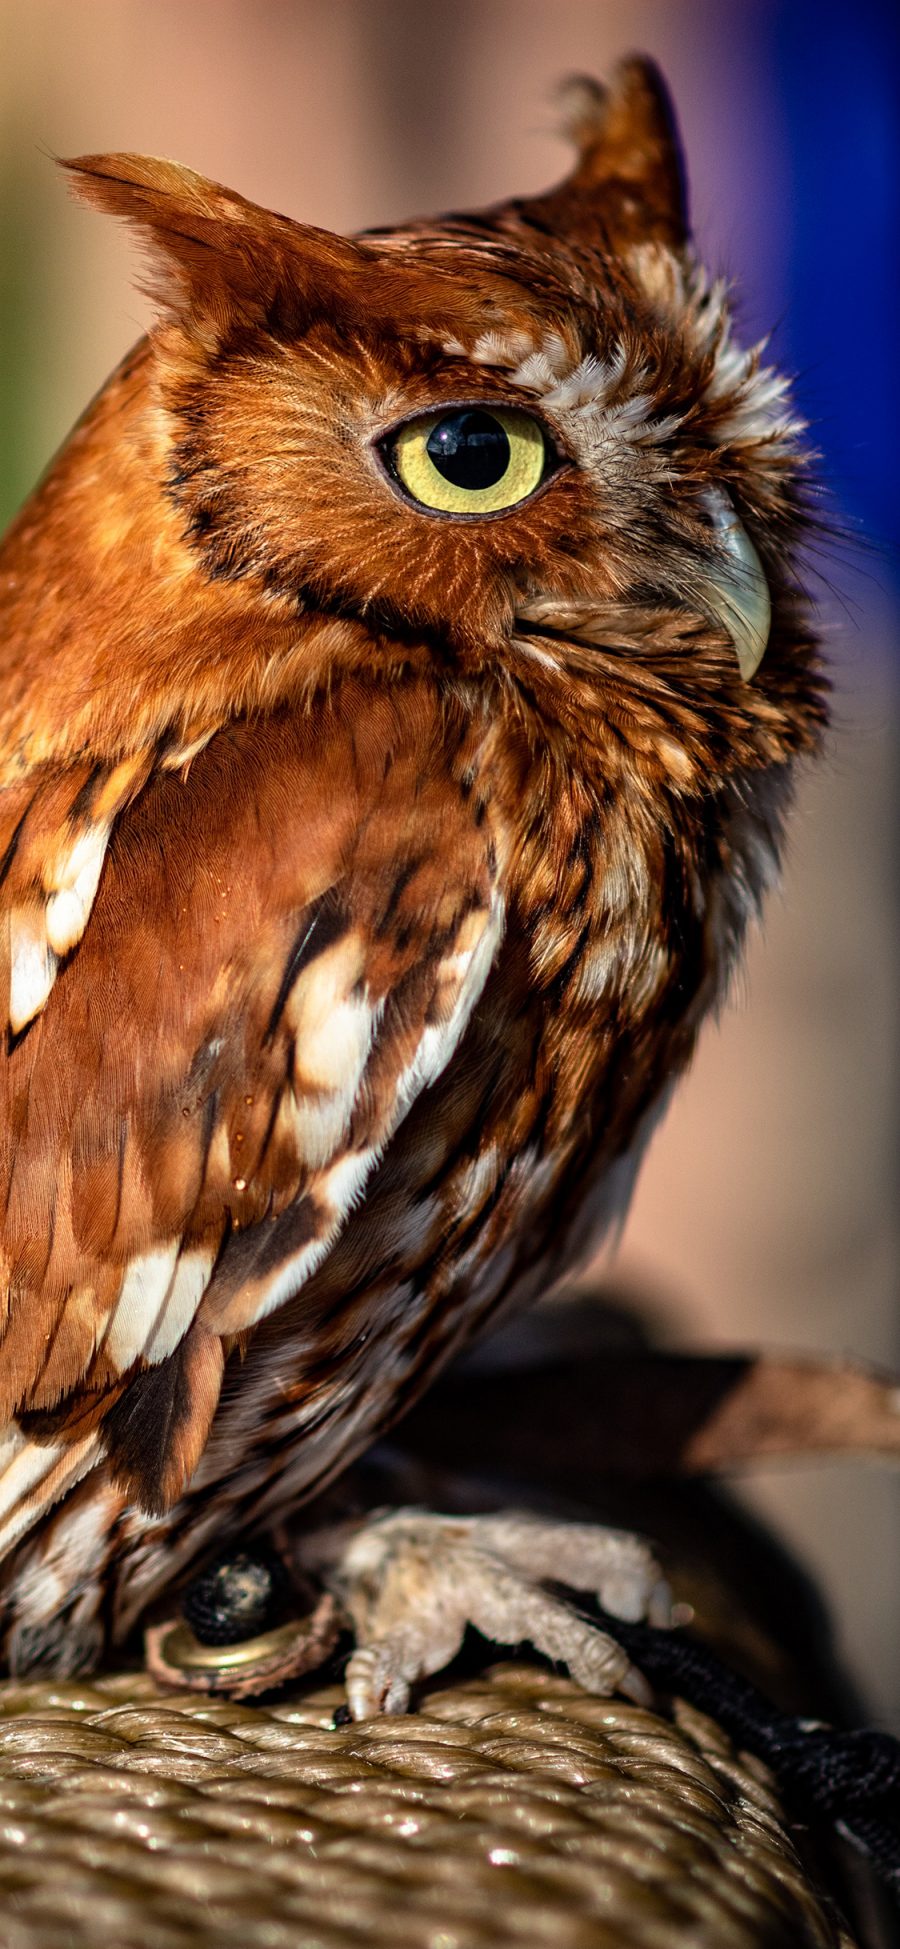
(23, 307)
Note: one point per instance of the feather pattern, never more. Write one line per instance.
(249, 1029)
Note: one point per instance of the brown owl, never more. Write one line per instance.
(403, 673)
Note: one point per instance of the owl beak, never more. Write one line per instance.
(731, 591)
(736, 593)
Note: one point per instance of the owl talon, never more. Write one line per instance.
(411, 1583)
(374, 1683)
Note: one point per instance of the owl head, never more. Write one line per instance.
(522, 442)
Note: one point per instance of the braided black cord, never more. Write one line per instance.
(852, 1778)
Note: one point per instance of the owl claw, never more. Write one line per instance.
(411, 1583)
(373, 1681)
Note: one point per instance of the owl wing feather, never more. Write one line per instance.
(55, 825)
(284, 950)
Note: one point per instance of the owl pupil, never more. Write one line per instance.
(469, 449)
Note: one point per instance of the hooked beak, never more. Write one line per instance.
(730, 590)
(735, 591)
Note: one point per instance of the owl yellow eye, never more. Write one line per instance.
(470, 460)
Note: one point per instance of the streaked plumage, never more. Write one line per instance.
(365, 874)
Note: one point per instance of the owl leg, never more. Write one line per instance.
(410, 1584)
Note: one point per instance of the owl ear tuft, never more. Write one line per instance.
(202, 267)
(629, 177)
(214, 257)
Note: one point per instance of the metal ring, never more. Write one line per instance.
(181, 1649)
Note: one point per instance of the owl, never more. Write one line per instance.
(403, 676)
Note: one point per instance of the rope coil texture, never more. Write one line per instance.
(852, 1778)
(512, 1810)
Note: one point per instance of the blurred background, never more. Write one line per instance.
(767, 1211)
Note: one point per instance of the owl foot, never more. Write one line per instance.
(410, 1583)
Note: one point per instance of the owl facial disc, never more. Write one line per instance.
(737, 593)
